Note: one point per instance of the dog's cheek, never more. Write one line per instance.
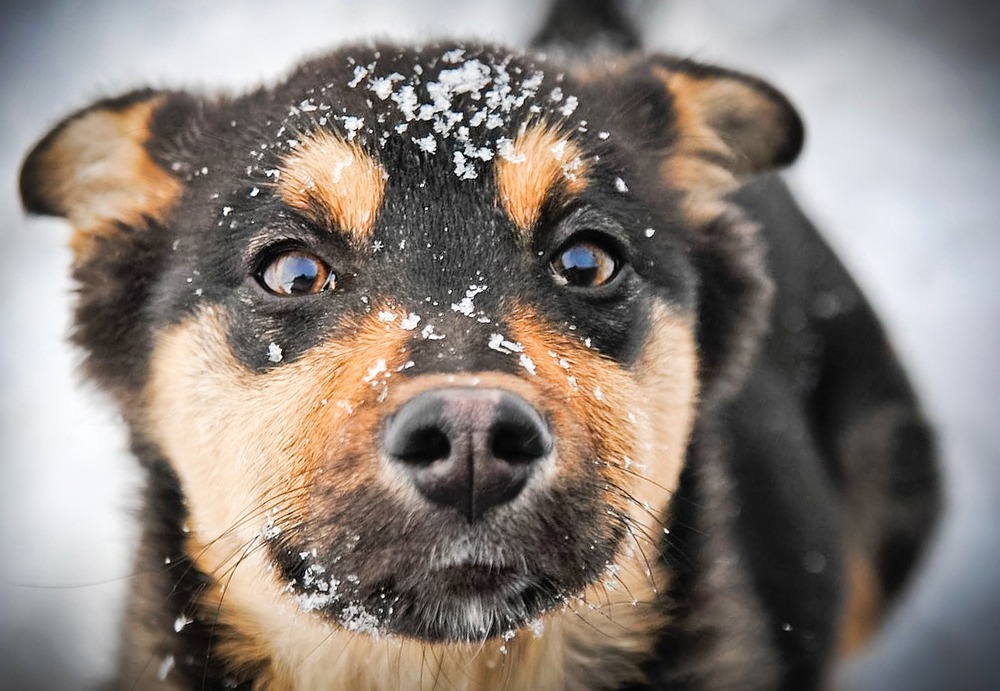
(666, 384)
(247, 446)
(638, 417)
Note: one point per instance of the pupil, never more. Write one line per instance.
(580, 266)
(299, 274)
(579, 258)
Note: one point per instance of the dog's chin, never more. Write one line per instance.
(457, 604)
(473, 603)
(443, 580)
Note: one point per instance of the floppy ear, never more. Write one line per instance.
(99, 170)
(742, 119)
(96, 170)
(724, 127)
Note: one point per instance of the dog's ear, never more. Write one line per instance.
(714, 129)
(96, 168)
(742, 121)
(108, 169)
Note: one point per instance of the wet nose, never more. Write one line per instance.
(468, 449)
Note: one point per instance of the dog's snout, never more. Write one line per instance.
(468, 449)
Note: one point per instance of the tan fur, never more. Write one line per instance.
(246, 444)
(725, 129)
(656, 403)
(870, 511)
(264, 425)
(98, 173)
(542, 163)
(701, 164)
(863, 611)
(336, 183)
(745, 120)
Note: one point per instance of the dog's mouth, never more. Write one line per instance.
(471, 602)
(480, 580)
(443, 600)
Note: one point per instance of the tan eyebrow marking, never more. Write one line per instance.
(335, 183)
(540, 162)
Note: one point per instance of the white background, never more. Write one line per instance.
(901, 170)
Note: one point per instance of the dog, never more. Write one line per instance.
(462, 367)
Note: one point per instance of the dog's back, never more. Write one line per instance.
(822, 460)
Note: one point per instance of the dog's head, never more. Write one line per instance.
(421, 332)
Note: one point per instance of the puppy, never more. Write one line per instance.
(457, 367)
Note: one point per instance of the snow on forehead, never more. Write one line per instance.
(447, 105)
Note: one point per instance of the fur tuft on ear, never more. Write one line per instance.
(95, 170)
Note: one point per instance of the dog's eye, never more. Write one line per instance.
(584, 264)
(294, 272)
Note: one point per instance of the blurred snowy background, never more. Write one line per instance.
(901, 170)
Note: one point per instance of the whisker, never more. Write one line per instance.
(644, 478)
(249, 547)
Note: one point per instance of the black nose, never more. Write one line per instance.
(469, 449)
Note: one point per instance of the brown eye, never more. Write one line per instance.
(584, 265)
(293, 273)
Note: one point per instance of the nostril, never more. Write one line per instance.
(518, 433)
(417, 435)
(423, 446)
(518, 444)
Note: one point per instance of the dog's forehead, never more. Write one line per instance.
(376, 141)
(345, 129)
(466, 102)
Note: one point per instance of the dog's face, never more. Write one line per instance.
(420, 332)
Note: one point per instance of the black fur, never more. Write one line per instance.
(808, 430)
(588, 24)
